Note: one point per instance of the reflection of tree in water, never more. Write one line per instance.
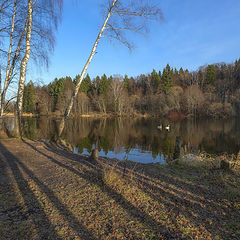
(85, 143)
(221, 137)
(118, 133)
(213, 136)
(192, 134)
(29, 128)
(105, 144)
(142, 133)
(7, 127)
(76, 129)
(39, 128)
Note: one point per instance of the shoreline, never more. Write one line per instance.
(170, 117)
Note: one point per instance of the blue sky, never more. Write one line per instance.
(194, 33)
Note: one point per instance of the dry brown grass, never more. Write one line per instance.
(210, 161)
(47, 192)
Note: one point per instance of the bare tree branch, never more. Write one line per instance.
(120, 16)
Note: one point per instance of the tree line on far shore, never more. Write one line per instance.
(213, 90)
(28, 32)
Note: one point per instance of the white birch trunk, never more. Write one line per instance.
(0, 90)
(10, 72)
(2, 100)
(69, 108)
(25, 59)
(0, 87)
(11, 37)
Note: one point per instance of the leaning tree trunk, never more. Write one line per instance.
(24, 63)
(0, 88)
(70, 105)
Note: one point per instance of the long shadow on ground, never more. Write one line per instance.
(198, 203)
(97, 179)
(34, 210)
(205, 205)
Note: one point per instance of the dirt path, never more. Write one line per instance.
(46, 192)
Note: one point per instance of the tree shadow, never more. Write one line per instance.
(30, 200)
(190, 198)
(34, 209)
(11, 210)
(63, 151)
(206, 208)
(95, 176)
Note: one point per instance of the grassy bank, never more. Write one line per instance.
(46, 192)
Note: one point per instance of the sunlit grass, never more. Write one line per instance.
(71, 197)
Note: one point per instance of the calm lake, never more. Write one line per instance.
(137, 140)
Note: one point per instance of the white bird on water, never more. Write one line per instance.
(167, 127)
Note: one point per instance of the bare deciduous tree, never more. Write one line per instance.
(23, 36)
(25, 58)
(193, 99)
(45, 11)
(120, 16)
(117, 96)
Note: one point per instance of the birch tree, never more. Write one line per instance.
(12, 55)
(25, 59)
(120, 16)
(39, 24)
(24, 37)
(4, 16)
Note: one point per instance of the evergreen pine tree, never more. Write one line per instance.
(126, 82)
(28, 98)
(155, 79)
(167, 79)
(86, 84)
(210, 75)
(104, 84)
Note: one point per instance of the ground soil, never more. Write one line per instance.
(47, 192)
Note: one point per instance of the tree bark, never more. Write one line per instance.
(24, 63)
(25, 58)
(9, 72)
(70, 105)
(1, 112)
(9, 59)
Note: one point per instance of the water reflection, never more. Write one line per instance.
(136, 140)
